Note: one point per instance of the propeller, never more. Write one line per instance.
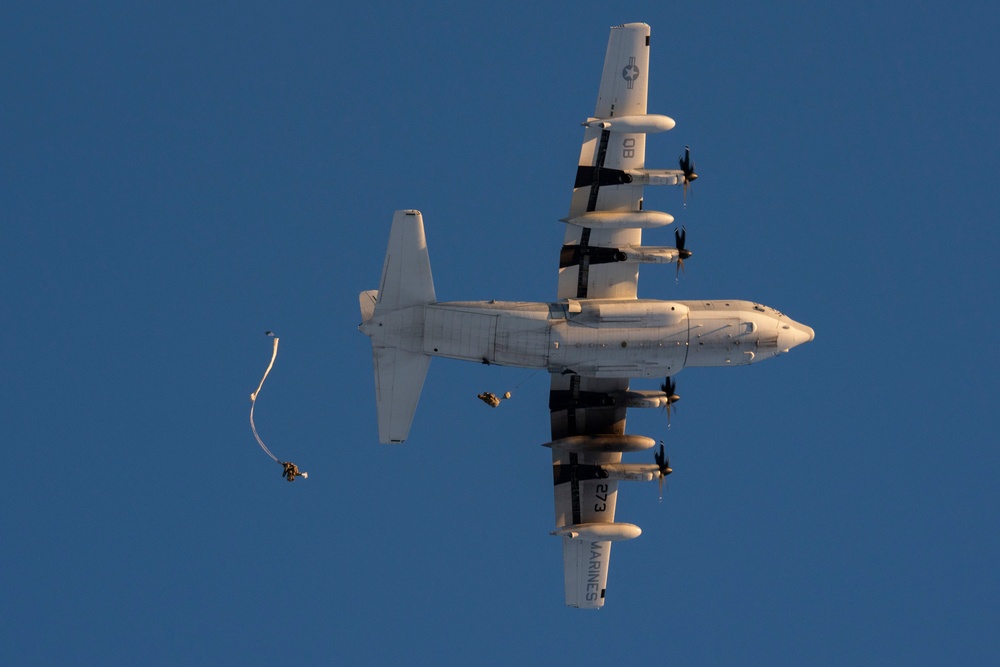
(680, 235)
(687, 167)
(663, 463)
(669, 389)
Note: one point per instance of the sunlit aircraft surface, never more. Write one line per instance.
(593, 339)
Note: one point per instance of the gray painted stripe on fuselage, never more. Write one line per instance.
(575, 487)
(580, 400)
(563, 473)
(572, 255)
(583, 275)
(587, 177)
(595, 186)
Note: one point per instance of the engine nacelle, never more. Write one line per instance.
(654, 176)
(642, 399)
(621, 219)
(630, 472)
(639, 124)
(649, 254)
(599, 532)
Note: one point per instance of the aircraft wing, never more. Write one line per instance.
(603, 158)
(582, 496)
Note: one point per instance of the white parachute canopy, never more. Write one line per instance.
(290, 470)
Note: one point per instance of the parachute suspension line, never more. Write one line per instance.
(518, 385)
(253, 400)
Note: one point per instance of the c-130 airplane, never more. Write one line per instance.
(593, 339)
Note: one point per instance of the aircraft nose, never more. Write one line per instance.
(792, 333)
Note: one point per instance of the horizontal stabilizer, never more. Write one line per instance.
(399, 377)
(406, 274)
(393, 317)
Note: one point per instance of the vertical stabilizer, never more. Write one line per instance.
(393, 317)
(368, 299)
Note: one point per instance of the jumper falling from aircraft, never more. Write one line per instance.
(593, 339)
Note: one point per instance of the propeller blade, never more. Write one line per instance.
(663, 463)
(680, 240)
(669, 389)
(687, 167)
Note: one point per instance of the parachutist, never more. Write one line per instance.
(291, 471)
(490, 399)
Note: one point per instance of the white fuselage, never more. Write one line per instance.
(595, 337)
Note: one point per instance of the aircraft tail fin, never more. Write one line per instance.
(393, 317)
(368, 299)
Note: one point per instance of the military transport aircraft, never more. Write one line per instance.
(593, 339)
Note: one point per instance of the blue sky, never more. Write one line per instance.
(177, 178)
